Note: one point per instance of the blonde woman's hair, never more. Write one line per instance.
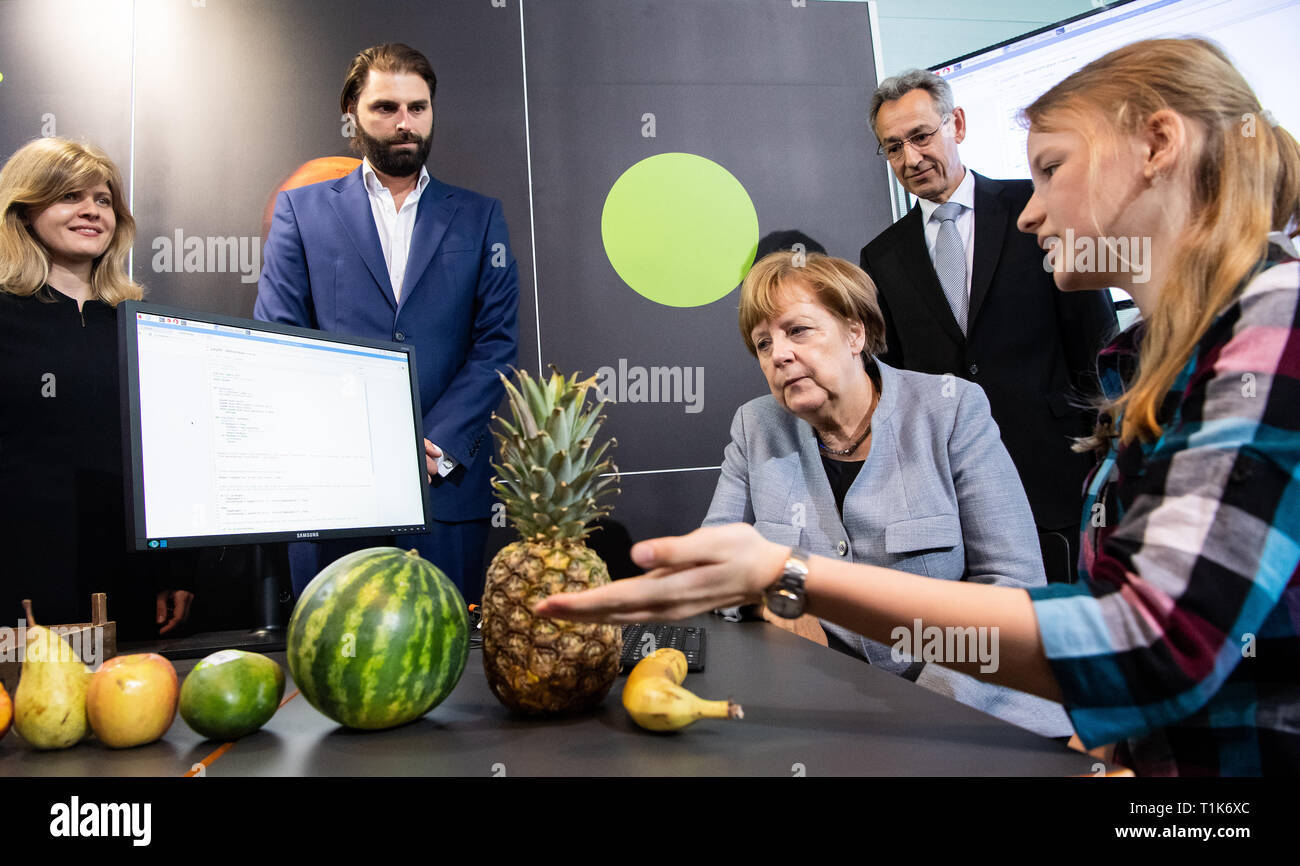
(840, 286)
(1245, 182)
(39, 174)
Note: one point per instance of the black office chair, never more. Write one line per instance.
(612, 542)
(1058, 558)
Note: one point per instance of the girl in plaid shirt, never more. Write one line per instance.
(1180, 640)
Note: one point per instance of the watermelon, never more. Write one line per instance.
(378, 638)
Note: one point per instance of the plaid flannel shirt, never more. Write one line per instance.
(1182, 637)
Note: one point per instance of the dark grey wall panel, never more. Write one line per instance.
(664, 503)
(233, 96)
(777, 95)
(67, 71)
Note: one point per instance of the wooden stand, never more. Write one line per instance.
(94, 642)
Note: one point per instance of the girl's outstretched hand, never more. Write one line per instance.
(718, 566)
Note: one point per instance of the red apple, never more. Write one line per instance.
(132, 699)
(6, 711)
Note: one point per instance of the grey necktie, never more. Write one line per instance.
(950, 261)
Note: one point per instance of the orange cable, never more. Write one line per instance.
(225, 747)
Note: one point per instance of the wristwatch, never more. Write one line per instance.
(786, 597)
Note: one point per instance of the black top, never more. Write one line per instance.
(62, 512)
(841, 473)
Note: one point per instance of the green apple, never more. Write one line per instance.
(231, 693)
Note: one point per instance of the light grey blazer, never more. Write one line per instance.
(937, 496)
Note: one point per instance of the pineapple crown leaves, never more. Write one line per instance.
(550, 475)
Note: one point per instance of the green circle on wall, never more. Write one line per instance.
(679, 229)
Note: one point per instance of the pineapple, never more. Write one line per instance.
(549, 480)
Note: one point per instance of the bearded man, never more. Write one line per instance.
(393, 253)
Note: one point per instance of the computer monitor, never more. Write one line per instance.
(238, 432)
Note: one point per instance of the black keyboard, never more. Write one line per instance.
(640, 640)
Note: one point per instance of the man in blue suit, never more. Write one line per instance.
(393, 253)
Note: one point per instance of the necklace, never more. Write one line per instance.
(847, 451)
(875, 398)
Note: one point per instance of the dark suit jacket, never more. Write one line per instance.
(324, 268)
(1032, 347)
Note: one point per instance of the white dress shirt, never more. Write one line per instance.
(964, 195)
(395, 226)
(395, 229)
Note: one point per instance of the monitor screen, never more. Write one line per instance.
(994, 84)
(241, 431)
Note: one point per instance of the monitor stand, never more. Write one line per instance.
(267, 605)
(267, 636)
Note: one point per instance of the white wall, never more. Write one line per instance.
(921, 33)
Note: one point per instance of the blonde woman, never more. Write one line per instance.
(1179, 643)
(65, 233)
(852, 459)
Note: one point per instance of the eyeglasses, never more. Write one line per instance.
(894, 150)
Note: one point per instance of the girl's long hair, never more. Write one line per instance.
(1245, 183)
(39, 174)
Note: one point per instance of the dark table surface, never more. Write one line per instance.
(808, 711)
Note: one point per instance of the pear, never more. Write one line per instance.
(50, 701)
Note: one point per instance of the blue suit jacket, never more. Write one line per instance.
(937, 496)
(324, 268)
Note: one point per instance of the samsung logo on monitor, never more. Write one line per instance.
(307, 535)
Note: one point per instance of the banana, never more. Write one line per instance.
(665, 664)
(653, 695)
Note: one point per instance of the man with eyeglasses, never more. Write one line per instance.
(964, 292)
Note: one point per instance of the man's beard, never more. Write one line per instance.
(389, 160)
